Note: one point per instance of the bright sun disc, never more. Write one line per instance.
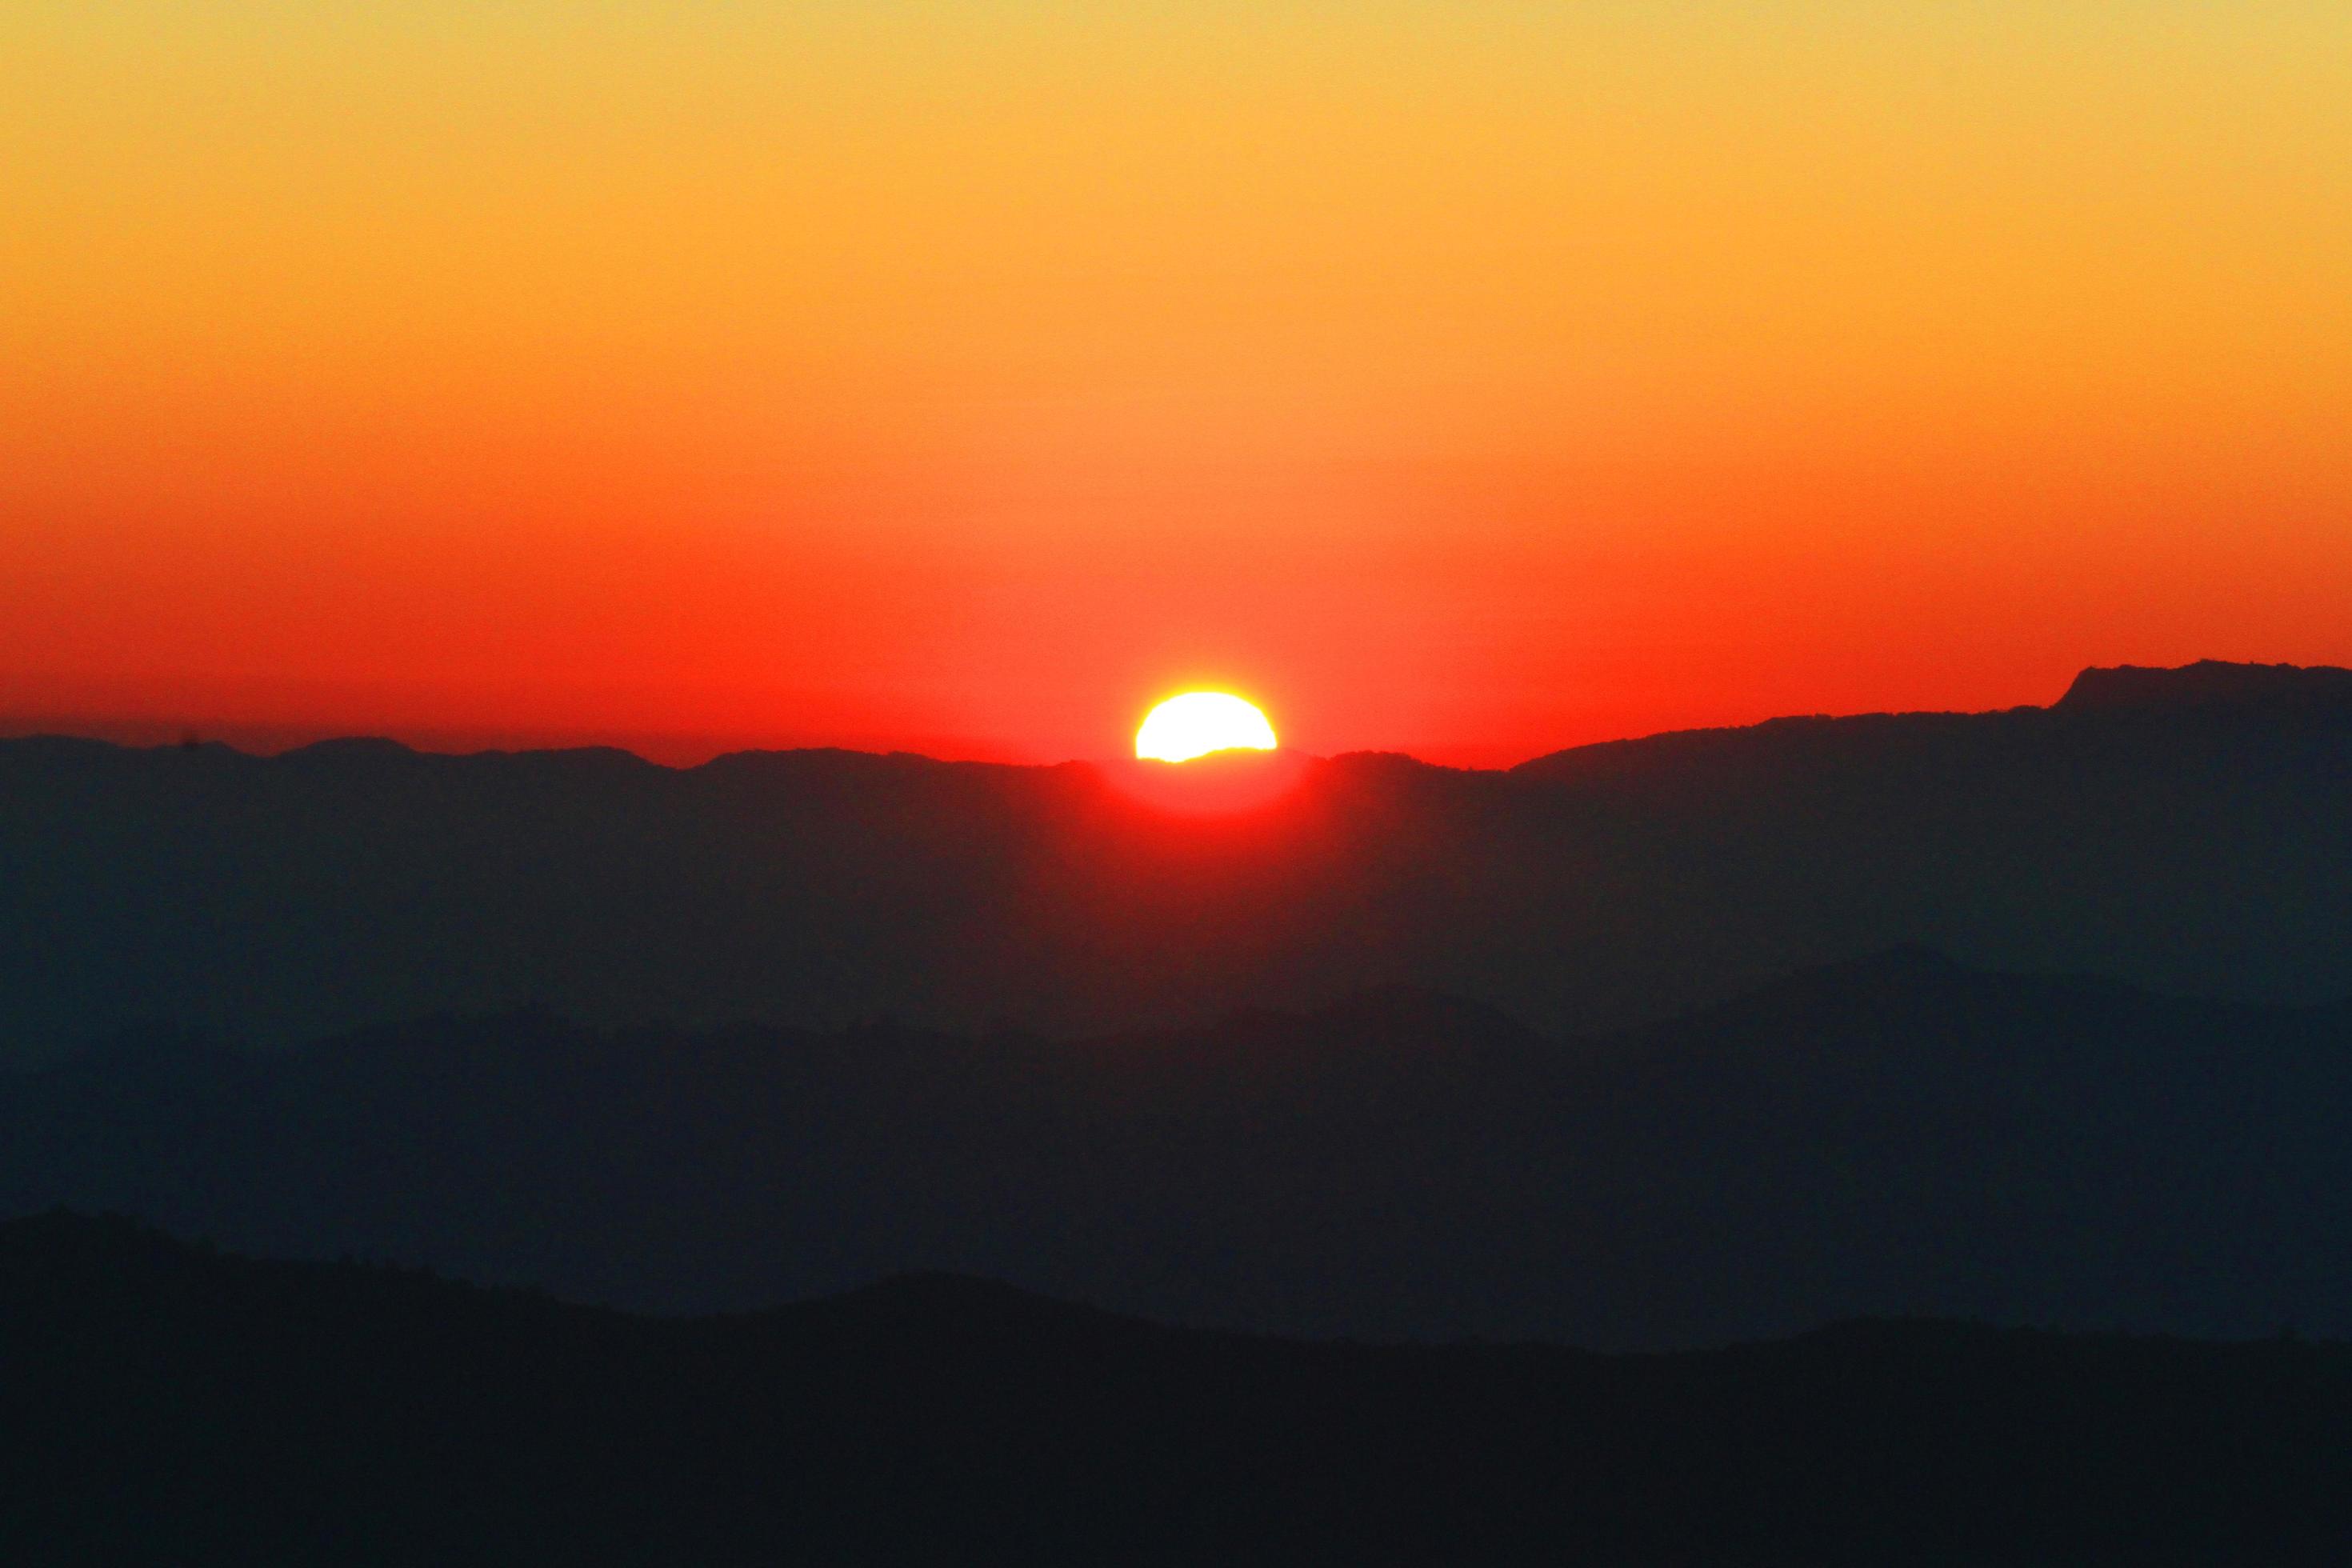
(1200, 722)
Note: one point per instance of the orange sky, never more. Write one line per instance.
(1470, 380)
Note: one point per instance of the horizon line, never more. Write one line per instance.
(250, 738)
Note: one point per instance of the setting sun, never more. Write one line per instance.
(1199, 722)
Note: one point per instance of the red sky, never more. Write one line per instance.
(964, 379)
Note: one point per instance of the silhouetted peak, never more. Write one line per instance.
(2206, 684)
(843, 765)
(352, 748)
(1387, 764)
(801, 757)
(607, 758)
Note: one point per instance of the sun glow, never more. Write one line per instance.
(1199, 722)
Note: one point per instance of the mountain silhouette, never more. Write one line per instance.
(172, 1404)
(2182, 829)
(1895, 1135)
(2211, 684)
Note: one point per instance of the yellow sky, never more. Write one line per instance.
(1437, 316)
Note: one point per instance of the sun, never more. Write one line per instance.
(1200, 722)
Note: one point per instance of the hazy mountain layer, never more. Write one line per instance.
(2187, 830)
(172, 1405)
(1896, 1136)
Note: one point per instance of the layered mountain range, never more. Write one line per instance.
(1894, 1136)
(2186, 830)
(175, 1404)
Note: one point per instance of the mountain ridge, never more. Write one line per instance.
(2205, 684)
(196, 1406)
(2208, 684)
(1897, 1136)
(289, 898)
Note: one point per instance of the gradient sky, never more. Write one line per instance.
(1465, 379)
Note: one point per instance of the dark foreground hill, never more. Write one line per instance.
(2187, 830)
(1894, 1136)
(167, 1404)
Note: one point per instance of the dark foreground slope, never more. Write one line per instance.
(173, 1405)
(2186, 830)
(1893, 1136)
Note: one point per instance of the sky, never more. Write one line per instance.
(1471, 380)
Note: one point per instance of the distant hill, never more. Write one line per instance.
(2186, 830)
(171, 1405)
(1896, 1135)
(2211, 684)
